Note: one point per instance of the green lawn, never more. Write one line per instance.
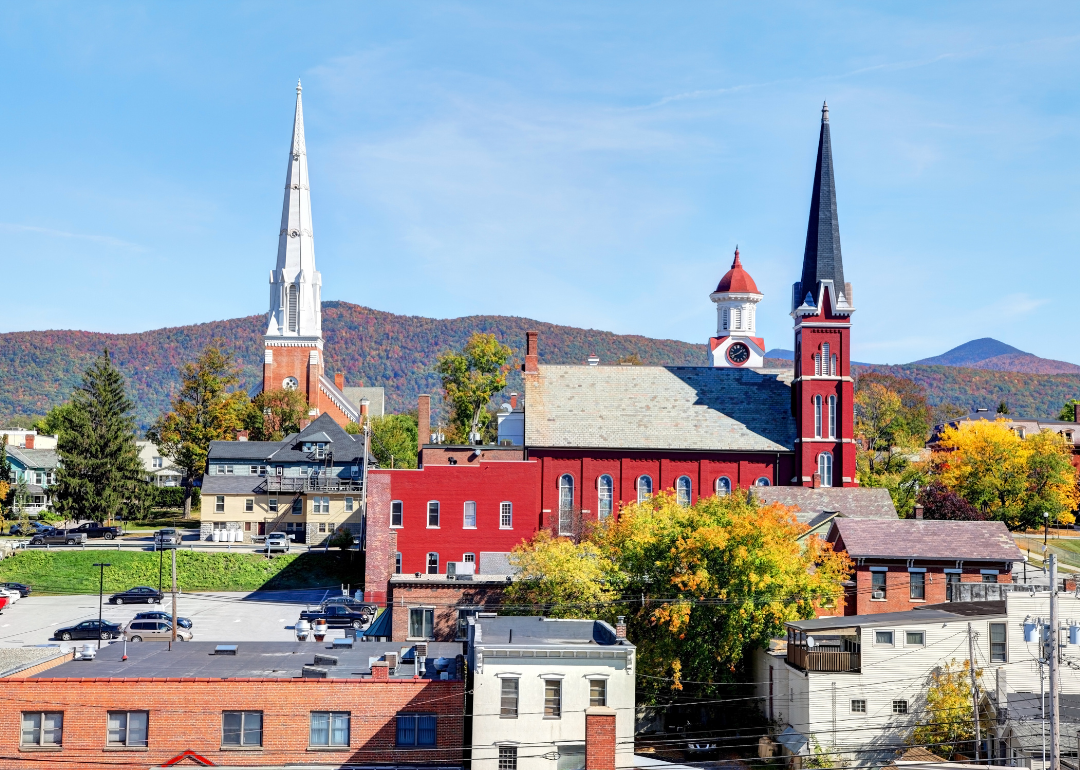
(72, 572)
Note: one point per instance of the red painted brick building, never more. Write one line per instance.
(232, 710)
(907, 563)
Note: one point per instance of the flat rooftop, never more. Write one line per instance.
(932, 613)
(531, 631)
(253, 660)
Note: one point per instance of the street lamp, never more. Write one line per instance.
(101, 594)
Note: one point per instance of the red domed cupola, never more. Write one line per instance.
(737, 279)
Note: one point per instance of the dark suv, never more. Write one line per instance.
(137, 594)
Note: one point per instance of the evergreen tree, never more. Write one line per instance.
(100, 472)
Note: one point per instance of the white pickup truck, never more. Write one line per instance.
(277, 541)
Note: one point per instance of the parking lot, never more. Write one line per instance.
(217, 617)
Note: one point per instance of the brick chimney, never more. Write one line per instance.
(304, 424)
(242, 435)
(1076, 413)
(620, 627)
(339, 380)
(918, 511)
(599, 738)
(423, 428)
(29, 440)
(532, 352)
(513, 400)
(816, 483)
(380, 671)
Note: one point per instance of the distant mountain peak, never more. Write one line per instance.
(972, 353)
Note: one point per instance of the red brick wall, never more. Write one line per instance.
(898, 589)
(599, 738)
(380, 540)
(439, 454)
(185, 714)
(664, 468)
(487, 484)
(445, 599)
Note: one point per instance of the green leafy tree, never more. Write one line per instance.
(470, 379)
(947, 721)
(274, 414)
(393, 440)
(1068, 411)
(947, 412)
(701, 586)
(5, 478)
(100, 472)
(206, 409)
(53, 422)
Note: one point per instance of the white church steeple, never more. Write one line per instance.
(295, 284)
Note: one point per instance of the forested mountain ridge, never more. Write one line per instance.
(39, 369)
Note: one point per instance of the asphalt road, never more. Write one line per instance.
(217, 617)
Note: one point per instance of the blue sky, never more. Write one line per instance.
(590, 163)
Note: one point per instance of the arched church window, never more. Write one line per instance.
(825, 359)
(682, 491)
(824, 463)
(566, 504)
(817, 416)
(835, 371)
(723, 486)
(817, 365)
(294, 301)
(605, 488)
(644, 488)
(763, 481)
(832, 416)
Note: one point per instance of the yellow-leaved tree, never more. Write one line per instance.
(1009, 478)
(946, 721)
(700, 585)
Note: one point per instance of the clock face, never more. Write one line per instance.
(290, 383)
(738, 354)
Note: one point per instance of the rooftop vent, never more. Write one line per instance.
(344, 643)
(225, 649)
(421, 649)
(594, 360)
(313, 672)
(392, 661)
(325, 660)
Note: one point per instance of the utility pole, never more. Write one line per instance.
(974, 691)
(161, 565)
(1055, 737)
(173, 598)
(101, 594)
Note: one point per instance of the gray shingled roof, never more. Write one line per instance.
(346, 448)
(244, 484)
(43, 459)
(659, 407)
(852, 502)
(922, 539)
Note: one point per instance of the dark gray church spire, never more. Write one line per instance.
(821, 258)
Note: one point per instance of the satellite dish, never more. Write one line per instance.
(810, 641)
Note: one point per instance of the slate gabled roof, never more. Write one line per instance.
(851, 502)
(922, 539)
(35, 459)
(659, 407)
(346, 448)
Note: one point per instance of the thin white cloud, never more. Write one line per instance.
(107, 240)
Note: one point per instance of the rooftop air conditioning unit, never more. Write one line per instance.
(460, 569)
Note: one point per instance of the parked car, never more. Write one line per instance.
(10, 594)
(160, 615)
(4, 601)
(89, 629)
(58, 537)
(22, 588)
(347, 601)
(277, 541)
(339, 616)
(154, 631)
(28, 529)
(94, 530)
(137, 594)
(167, 538)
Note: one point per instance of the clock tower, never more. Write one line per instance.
(736, 298)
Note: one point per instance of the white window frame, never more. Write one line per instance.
(506, 515)
(605, 496)
(717, 486)
(397, 562)
(680, 482)
(400, 514)
(348, 505)
(436, 511)
(763, 481)
(427, 563)
(825, 359)
(124, 731)
(832, 416)
(469, 515)
(219, 503)
(890, 631)
(566, 504)
(909, 643)
(817, 416)
(642, 481)
(825, 468)
(249, 505)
